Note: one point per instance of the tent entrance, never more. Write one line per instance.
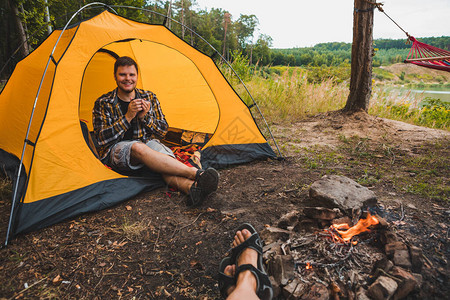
(172, 76)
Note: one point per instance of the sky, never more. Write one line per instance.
(302, 23)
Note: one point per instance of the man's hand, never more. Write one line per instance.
(145, 107)
(137, 107)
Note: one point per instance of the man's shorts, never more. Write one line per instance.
(120, 154)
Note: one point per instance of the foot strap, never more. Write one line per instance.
(225, 281)
(264, 288)
(253, 242)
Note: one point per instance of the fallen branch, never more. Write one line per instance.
(157, 239)
(25, 289)
(190, 224)
(403, 212)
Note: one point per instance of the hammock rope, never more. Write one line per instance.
(421, 54)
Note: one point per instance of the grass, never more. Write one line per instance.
(409, 108)
(285, 94)
(291, 96)
(133, 231)
(425, 173)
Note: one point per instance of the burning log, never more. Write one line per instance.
(341, 233)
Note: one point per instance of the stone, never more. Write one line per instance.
(419, 280)
(317, 292)
(410, 205)
(382, 223)
(305, 225)
(271, 250)
(294, 290)
(401, 259)
(272, 234)
(388, 237)
(407, 283)
(288, 219)
(282, 268)
(383, 288)
(343, 220)
(416, 259)
(383, 264)
(320, 213)
(362, 294)
(339, 191)
(390, 248)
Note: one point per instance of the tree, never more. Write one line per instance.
(362, 53)
(20, 30)
(226, 22)
(245, 27)
(261, 52)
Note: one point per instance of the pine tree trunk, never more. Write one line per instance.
(362, 53)
(182, 20)
(20, 30)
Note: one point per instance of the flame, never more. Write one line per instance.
(362, 226)
(308, 266)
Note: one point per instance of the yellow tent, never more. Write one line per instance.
(63, 178)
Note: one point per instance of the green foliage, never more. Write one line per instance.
(382, 74)
(316, 56)
(286, 94)
(208, 24)
(432, 113)
(334, 54)
(442, 42)
(336, 74)
(241, 65)
(261, 51)
(245, 27)
(435, 113)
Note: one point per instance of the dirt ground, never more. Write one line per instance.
(154, 247)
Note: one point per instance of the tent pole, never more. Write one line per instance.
(52, 59)
(16, 186)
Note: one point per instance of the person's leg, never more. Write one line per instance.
(246, 283)
(180, 183)
(175, 173)
(160, 163)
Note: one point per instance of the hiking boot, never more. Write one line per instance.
(205, 183)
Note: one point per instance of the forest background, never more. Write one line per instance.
(278, 78)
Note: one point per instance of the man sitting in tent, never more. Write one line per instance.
(125, 121)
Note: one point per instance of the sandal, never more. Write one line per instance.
(205, 183)
(225, 281)
(264, 288)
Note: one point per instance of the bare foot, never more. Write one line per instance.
(247, 256)
(230, 270)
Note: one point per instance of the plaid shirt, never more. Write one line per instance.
(110, 123)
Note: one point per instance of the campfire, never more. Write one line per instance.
(317, 254)
(343, 233)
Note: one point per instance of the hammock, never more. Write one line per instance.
(428, 56)
(422, 54)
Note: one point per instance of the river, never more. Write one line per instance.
(415, 94)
